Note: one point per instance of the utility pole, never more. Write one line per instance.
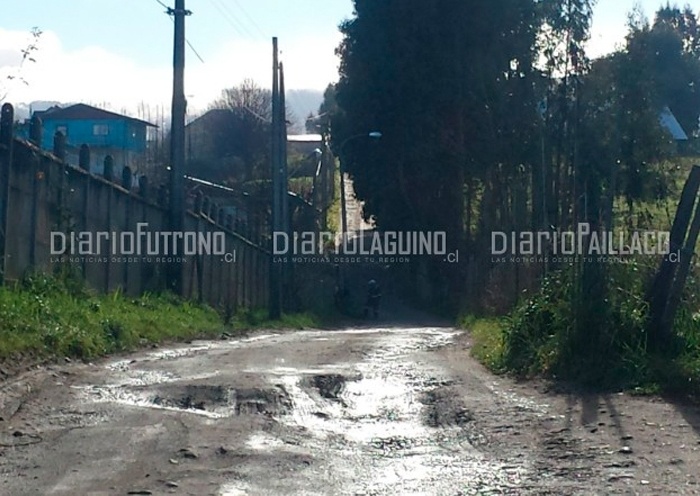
(177, 140)
(283, 190)
(284, 186)
(275, 303)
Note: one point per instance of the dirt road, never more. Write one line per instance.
(363, 411)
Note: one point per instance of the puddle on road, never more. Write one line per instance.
(206, 400)
(373, 428)
(368, 421)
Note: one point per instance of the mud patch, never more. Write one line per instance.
(211, 400)
(393, 444)
(273, 401)
(444, 408)
(193, 397)
(331, 386)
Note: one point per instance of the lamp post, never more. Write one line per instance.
(343, 207)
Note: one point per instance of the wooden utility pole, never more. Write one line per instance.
(275, 303)
(283, 191)
(284, 187)
(177, 140)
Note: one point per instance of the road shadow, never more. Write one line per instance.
(597, 410)
(688, 407)
(392, 313)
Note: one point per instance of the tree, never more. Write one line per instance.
(321, 123)
(450, 86)
(249, 97)
(684, 23)
(238, 130)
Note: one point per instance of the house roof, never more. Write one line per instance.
(80, 111)
(671, 124)
(215, 113)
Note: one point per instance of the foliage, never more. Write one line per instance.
(320, 123)
(45, 316)
(539, 338)
(231, 142)
(487, 340)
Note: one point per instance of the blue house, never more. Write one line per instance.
(105, 132)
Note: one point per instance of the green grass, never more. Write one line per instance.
(540, 338)
(487, 340)
(47, 317)
(597, 337)
(333, 212)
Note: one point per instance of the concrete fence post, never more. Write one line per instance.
(6, 141)
(59, 145)
(163, 195)
(84, 157)
(36, 130)
(127, 178)
(108, 172)
(84, 163)
(143, 185)
(59, 150)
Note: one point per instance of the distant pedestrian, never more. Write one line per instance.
(374, 294)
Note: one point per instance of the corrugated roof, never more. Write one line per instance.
(80, 111)
(671, 124)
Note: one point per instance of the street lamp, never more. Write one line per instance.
(343, 207)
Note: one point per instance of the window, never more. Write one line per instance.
(100, 130)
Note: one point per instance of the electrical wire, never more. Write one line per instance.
(194, 50)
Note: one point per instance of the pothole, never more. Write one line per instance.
(193, 397)
(396, 443)
(444, 409)
(329, 386)
(210, 400)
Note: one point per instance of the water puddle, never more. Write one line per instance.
(206, 400)
(376, 424)
(376, 421)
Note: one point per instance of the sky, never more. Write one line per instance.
(119, 52)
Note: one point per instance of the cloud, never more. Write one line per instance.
(92, 74)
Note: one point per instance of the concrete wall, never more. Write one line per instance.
(48, 196)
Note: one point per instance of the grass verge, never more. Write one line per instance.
(487, 340)
(45, 317)
(547, 336)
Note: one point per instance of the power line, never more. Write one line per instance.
(194, 50)
(231, 19)
(250, 19)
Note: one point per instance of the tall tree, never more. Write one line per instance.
(450, 86)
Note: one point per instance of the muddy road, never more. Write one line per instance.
(363, 411)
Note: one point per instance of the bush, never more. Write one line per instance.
(594, 339)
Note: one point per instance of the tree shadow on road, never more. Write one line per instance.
(689, 408)
(597, 410)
